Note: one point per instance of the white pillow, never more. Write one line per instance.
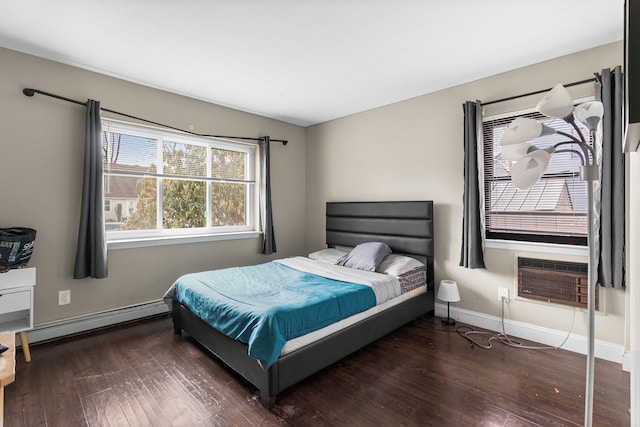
(330, 255)
(396, 265)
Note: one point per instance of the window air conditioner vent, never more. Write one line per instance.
(559, 282)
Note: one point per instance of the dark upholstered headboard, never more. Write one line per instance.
(407, 227)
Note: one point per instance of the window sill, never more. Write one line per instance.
(547, 248)
(179, 240)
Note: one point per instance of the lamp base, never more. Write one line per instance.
(448, 321)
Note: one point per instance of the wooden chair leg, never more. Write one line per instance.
(1, 406)
(25, 346)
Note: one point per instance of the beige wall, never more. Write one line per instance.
(413, 150)
(41, 149)
(405, 151)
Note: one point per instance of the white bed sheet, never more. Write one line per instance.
(297, 343)
(384, 287)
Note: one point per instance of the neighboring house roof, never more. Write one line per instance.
(545, 195)
(121, 187)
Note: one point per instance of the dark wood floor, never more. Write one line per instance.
(420, 375)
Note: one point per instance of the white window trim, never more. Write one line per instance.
(521, 245)
(179, 240)
(547, 248)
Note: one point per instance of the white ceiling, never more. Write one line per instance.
(305, 61)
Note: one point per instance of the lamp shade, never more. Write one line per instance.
(521, 130)
(448, 291)
(515, 152)
(589, 113)
(556, 103)
(529, 169)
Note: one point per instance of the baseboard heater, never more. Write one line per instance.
(560, 282)
(67, 327)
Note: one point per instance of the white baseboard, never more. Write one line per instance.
(603, 349)
(61, 328)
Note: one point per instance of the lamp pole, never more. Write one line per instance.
(531, 165)
(590, 173)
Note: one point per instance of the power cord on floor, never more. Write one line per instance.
(504, 338)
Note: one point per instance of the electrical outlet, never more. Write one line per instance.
(64, 297)
(503, 293)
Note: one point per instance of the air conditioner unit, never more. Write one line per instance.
(560, 282)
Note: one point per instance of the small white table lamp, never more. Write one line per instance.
(448, 292)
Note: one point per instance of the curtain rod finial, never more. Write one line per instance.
(28, 92)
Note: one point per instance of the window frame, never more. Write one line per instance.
(499, 239)
(117, 239)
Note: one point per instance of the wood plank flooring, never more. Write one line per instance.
(423, 374)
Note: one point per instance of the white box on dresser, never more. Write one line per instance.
(16, 303)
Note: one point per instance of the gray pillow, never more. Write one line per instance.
(366, 256)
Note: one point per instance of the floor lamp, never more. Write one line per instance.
(531, 164)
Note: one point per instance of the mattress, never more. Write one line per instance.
(412, 284)
(388, 291)
(297, 343)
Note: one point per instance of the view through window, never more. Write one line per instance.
(554, 210)
(159, 183)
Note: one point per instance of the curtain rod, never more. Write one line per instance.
(30, 92)
(581, 82)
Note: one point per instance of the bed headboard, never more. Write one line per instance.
(407, 227)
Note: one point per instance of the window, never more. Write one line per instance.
(167, 184)
(554, 210)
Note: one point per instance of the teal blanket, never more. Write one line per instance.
(268, 304)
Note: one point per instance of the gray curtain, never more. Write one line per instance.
(472, 253)
(91, 251)
(266, 216)
(609, 90)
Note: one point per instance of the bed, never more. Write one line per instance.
(406, 227)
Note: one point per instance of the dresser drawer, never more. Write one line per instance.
(15, 301)
(17, 278)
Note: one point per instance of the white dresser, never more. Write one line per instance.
(16, 304)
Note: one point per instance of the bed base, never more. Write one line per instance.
(305, 361)
(406, 226)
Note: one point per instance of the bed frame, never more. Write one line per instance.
(407, 227)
